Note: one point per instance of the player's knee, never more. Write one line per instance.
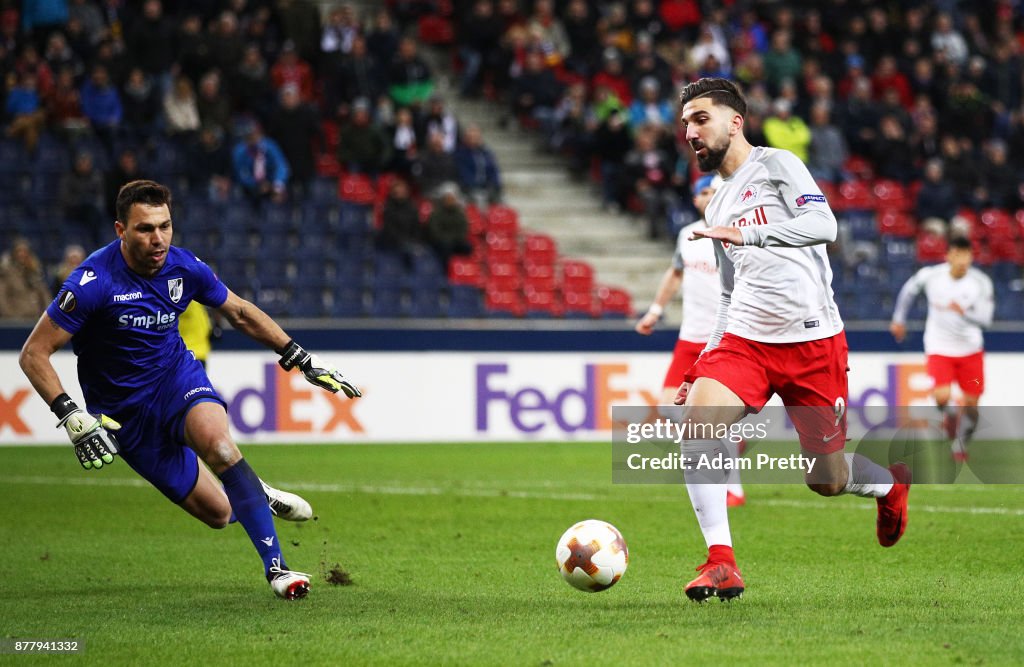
(221, 453)
(218, 521)
(826, 489)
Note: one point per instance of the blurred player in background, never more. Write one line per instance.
(196, 329)
(120, 309)
(960, 303)
(693, 267)
(778, 330)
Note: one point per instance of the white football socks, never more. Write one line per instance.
(707, 491)
(732, 477)
(866, 478)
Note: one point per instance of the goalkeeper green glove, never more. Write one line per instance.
(315, 371)
(93, 439)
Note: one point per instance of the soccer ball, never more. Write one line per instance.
(592, 555)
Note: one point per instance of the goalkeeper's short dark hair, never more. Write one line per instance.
(960, 242)
(145, 192)
(720, 91)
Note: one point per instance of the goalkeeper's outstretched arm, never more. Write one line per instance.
(259, 326)
(46, 338)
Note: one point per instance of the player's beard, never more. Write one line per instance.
(714, 157)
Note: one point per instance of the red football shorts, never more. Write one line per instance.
(809, 377)
(969, 371)
(684, 356)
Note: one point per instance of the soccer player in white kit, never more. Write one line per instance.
(778, 330)
(694, 268)
(960, 303)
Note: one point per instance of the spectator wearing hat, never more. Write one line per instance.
(448, 226)
(612, 76)
(649, 109)
(260, 167)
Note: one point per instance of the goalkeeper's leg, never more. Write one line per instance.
(206, 431)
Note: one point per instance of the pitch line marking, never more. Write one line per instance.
(401, 490)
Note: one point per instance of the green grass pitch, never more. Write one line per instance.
(451, 551)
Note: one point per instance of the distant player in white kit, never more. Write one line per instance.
(960, 303)
(693, 267)
(778, 330)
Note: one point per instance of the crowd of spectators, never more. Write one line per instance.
(255, 79)
(900, 86)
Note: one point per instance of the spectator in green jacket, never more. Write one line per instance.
(784, 130)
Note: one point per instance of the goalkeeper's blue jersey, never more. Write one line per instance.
(125, 326)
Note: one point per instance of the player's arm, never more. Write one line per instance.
(813, 222)
(94, 443)
(668, 286)
(981, 312)
(727, 276)
(907, 294)
(254, 323)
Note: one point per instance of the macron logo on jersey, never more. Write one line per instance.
(87, 278)
(130, 296)
(806, 199)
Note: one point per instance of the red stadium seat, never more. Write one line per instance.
(996, 223)
(543, 302)
(509, 302)
(331, 134)
(477, 221)
(855, 195)
(859, 167)
(577, 276)
(540, 249)
(503, 220)
(436, 30)
(1007, 249)
(356, 188)
(580, 303)
(327, 165)
(931, 248)
(897, 223)
(1019, 217)
(891, 194)
(615, 302)
(502, 248)
(504, 275)
(464, 271)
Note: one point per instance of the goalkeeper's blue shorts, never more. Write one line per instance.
(152, 435)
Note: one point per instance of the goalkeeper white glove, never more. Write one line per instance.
(316, 371)
(93, 439)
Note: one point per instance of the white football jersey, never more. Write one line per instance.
(947, 332)
(780, 281)
(701, 285)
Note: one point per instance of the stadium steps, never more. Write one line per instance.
(549, 200)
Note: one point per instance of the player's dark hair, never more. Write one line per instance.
(149, 193)
(960, 243)
(718, 90)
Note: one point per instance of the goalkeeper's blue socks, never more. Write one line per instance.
(249, 502)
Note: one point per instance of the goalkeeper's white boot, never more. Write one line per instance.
(288, 584)
(287, 506)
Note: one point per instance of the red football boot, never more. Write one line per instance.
(718, 577)
(892, 508)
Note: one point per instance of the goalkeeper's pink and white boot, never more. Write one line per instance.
(287, 506)
(288, 584)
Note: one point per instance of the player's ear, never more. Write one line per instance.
(736, 125)
(119, 228)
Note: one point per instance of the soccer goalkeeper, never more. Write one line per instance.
(148, 399)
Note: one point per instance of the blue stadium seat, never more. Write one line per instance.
(862, 225)
(324, 190)
(1004, 272)
(345, 302)
(465, 301)
(389, 302)
(898, 252)
(389, 271)
(426, 302)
